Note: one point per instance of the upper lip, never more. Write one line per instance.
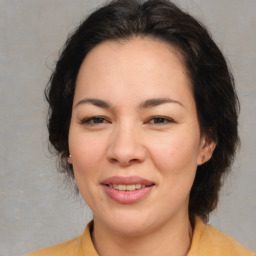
(127, 180)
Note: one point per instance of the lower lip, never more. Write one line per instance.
(127, 197)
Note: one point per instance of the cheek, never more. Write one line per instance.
(175, 159)
(174, 152)
(87, 152)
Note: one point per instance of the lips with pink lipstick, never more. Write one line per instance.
(127, 190)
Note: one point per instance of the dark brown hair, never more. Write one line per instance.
(213, 84)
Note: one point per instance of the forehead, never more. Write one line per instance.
(136, 50)
(138, 65)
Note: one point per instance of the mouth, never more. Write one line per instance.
(127, 190)
(131, 187)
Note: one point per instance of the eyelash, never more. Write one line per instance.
(97, 120)
(164, 120)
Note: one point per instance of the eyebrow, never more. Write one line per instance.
(158, 101)
(95, 102)
(146, 104)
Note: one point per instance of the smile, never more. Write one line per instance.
(127, 190)
(122, 187)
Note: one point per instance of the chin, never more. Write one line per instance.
(129, 223)
(134, 228)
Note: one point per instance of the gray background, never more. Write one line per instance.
(37, 210)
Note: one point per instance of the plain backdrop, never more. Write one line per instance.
(36, 208)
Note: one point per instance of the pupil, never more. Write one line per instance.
(98, 120)
(159, 120)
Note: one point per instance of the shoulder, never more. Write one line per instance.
(223, 243)
(81, 245)
(207, 240)
(68, 248)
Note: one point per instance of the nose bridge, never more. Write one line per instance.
(126, 144)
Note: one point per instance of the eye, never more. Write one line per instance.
(95, 120)
(160, 120)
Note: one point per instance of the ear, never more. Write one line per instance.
(69, 159)
(207, 147)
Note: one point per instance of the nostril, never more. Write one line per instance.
(123, 161)
(113, 160)
(134, 160)
(126, 153)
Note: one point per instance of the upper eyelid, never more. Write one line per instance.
(169, 119)
(84, 120)
(163, 117)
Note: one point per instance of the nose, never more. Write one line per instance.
(126, 146)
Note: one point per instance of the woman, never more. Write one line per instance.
(143, 115)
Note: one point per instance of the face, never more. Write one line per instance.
(134, 135)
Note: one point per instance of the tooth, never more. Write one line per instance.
(138, 186)
(121, 187)
(115, 186)
(130, 187)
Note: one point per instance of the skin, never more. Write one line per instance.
(131, 140)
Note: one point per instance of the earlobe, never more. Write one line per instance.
(206, 151)
(69, 159)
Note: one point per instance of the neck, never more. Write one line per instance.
(172, 239)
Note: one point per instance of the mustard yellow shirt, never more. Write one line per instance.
(206, 241)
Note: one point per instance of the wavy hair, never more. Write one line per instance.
(213, 84)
